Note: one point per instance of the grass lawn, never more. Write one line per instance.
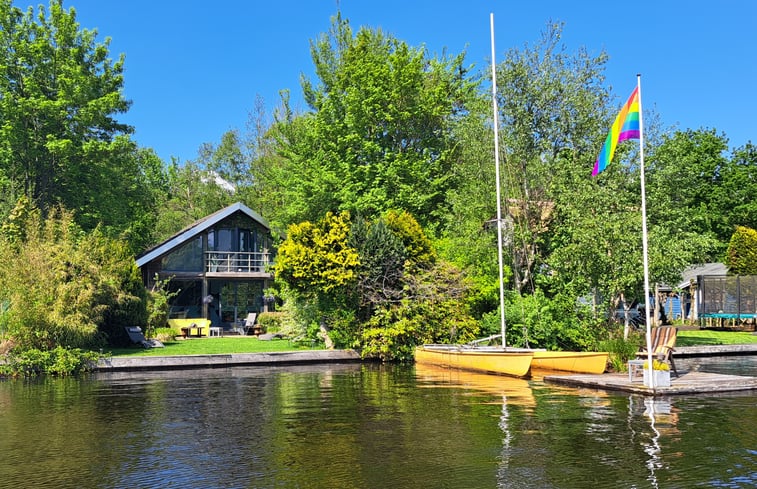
(697, 337)
(250, 344)
(209, 346)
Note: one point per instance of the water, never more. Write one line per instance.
(368, 426)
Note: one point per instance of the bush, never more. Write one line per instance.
(60, 286)
(164, 334)
(271, 322)
(621, 351)
(59, 361)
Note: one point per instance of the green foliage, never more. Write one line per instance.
(415, 242)
(741, 258)
(621, 350)
(316, 258)
(67, 288)
(60, 140)
(394, 295)
(272, 322)
(164, 334)
(379, 133)
(556, 323)
(59, 362)
(158, 306)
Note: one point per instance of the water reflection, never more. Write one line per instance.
(356, 426)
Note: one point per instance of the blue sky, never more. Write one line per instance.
(194, 69)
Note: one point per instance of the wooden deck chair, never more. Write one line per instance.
(249, 323)
(663, 345)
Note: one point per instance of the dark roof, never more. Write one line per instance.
(196, 228)
(692, 272)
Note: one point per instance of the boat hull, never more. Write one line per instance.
(512, 362)
(570, 361)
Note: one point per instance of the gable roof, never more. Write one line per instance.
(196, 228)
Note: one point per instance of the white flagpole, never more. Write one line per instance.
(644, 241)
(499, 199)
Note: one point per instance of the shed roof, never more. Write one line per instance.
(196, 228)
(693, 271)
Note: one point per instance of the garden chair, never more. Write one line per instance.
(249, 324)
(663, 344)
(136, 336)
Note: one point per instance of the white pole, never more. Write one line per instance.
(644, 240)
(499, 198)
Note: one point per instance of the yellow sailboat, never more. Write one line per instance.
(581, 362)
(506, 361)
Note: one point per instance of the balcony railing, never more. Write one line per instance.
(237, 262)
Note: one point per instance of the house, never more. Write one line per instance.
(219, 266)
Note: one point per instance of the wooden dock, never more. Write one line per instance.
(686, 383)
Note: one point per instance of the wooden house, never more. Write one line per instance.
(219, 267)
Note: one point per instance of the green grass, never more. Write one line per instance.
(211, 346)
(698, 337)
(250, 344)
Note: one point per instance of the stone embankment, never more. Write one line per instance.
(226, 360)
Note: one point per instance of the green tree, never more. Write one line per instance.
(736, 195)
(741, 258)
(685, 175)
(379, 133)
(60, 140)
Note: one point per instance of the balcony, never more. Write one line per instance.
(237, 264)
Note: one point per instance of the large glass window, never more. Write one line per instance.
(225, 240)
(186, 258)
(239, 298)
(245, 241)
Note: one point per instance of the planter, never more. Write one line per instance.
(661, 378)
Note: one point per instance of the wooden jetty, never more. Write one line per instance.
(686, 383)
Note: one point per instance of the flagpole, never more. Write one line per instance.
(644, 239)
(503, 324)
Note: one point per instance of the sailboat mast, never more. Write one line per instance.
(503, 322)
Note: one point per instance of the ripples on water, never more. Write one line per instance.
(368, 426)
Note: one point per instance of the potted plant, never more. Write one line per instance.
(661, 373)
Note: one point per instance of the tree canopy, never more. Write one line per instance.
(60, 139)
(378, 135)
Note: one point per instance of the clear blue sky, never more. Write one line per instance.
(194, 69)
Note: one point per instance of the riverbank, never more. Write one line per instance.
(111, 364)
(169, 362)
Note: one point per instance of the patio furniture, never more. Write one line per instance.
(136, 336)
(249, 324)
(663, 345)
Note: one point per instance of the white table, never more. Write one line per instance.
(635, 369)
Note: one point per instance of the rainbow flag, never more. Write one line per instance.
(626, 126)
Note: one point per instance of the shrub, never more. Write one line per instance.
(59, 362)
(271, 322)
(164, 334)
(621, 351)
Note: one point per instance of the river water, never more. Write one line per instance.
(369, 426)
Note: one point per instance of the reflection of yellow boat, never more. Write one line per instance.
(518, 391)
(507, 361)
(583, 362)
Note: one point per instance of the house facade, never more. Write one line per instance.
(219, 267)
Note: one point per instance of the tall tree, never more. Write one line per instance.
(378, 135)
(60, 140)
(552, 107)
